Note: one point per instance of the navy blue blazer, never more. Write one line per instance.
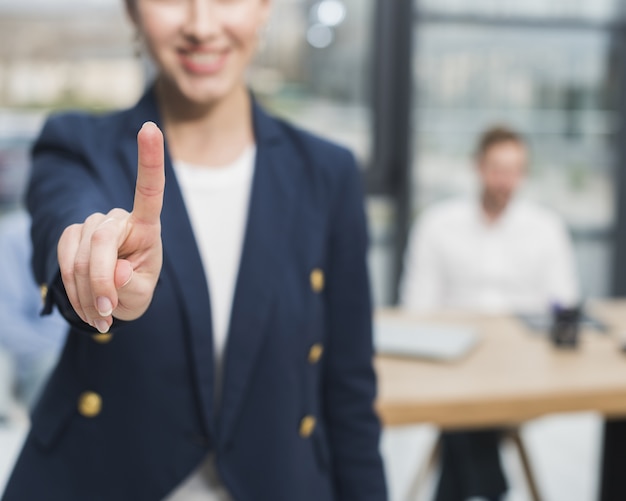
(129, 416)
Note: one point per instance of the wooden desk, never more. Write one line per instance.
(512, 376)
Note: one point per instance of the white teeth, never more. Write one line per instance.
(203, 58)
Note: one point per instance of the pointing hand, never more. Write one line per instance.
(111, 262)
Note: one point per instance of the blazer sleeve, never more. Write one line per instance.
(63, 190)
(349, 379)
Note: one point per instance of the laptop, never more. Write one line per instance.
(421, 340)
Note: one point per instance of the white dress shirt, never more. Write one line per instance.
(456, 259)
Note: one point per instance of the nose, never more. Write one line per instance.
(201, 23)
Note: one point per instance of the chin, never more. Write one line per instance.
(200, 98)
(207, 94)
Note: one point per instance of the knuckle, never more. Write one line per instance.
(81, 266)
(89, 309)
(65, 256)
(148, 191)
(69, 233)
(67, 274)
(66, 265)
(102, 235)
(100, 283)
(73, 229)
(94, 218)
(117, 213)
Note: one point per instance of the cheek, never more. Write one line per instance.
(158, 26)
(243, 27)
(154, 45)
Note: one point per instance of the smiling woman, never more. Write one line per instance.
(201, 48)
(220, 341)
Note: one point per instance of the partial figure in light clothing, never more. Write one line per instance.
(29, 343)
(520, 262)
(495, 254)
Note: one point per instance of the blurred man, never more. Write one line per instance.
(493, 253)
(29, 343)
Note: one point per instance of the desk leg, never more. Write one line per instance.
(423, 472)
(613, 482)
(528, 473)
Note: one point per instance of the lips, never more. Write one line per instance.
(203, 62)
(203, 59)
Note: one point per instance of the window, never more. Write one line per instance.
(544, 68)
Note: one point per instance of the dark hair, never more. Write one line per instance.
(497, 135)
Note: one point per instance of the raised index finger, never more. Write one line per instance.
(150, 175)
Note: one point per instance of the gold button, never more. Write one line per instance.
(102, 338)
(43, 290)
(307, 425)
(317, 280)
(315, 353)
(90, 404)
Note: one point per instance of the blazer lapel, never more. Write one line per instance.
(266, 231)
(181, 260)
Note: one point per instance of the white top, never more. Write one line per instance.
(217, 200)
(523, 262)
(217, 203)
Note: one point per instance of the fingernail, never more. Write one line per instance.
(102, 326)
(104, 306)
(129, 279)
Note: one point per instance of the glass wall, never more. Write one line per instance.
(313, 68)
(57, 55)
(594, 10)
(542, 68)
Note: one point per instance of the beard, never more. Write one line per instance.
(496, 201)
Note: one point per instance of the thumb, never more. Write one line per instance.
(123, 273)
